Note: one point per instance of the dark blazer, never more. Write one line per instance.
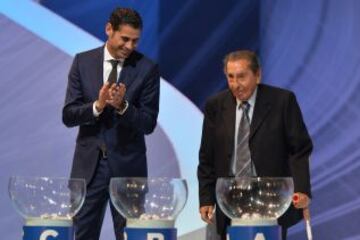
(123, 135)
(279, 143)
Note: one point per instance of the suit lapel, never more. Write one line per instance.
(127, 75)
(229, 110)
(98, 79)
(261, 110)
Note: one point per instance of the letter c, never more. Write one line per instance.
(48, 233)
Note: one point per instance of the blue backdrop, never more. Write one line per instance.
(310, 47)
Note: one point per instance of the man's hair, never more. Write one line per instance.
(250, 56)
(125, 16)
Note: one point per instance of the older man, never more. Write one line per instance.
(252, 129)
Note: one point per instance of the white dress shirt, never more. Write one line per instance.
(107, 67)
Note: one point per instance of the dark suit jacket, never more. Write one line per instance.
(123, 135)
(279, 144)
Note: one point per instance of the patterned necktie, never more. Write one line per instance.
(243, 156)
(113, 74)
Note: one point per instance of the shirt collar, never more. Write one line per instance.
(108, 57)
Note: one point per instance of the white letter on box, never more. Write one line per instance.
(48, 233)
(259, 236)
(155, 236)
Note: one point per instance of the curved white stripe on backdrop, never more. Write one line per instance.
(180, 119)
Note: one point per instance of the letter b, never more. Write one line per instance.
(155, 236)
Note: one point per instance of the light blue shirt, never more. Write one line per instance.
(239, 113)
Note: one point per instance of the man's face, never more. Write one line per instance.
(241, 79)
(122, 42)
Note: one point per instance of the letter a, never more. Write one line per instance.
(259, 236)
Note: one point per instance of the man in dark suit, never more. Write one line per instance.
(278, 142)
(113, 96)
